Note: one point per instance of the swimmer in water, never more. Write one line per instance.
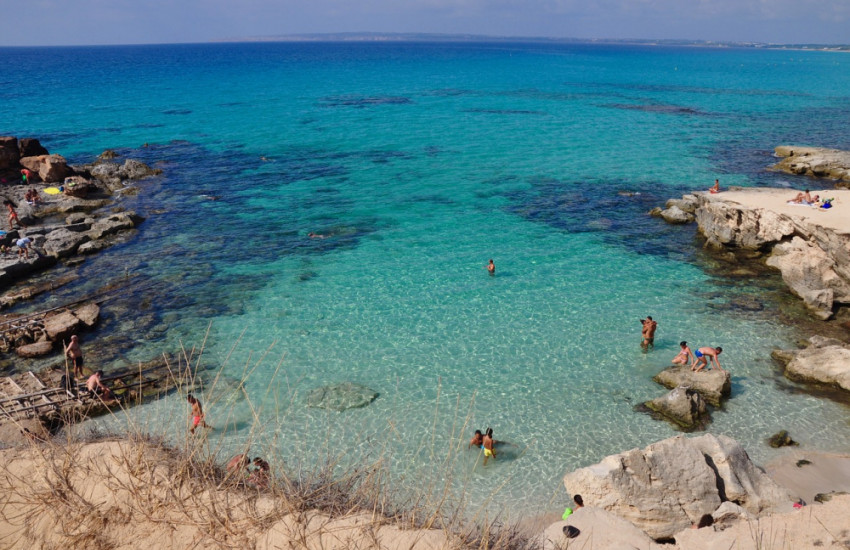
(491, 268)
(489, 443)
(477, 440)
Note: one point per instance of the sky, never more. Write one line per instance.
(83, 22)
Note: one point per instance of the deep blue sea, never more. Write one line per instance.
(418, 163)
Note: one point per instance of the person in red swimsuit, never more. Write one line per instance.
(197, 413)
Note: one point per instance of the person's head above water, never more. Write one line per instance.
(683, 343)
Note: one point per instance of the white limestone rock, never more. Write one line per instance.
(670, 484)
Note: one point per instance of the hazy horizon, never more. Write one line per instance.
(125, 22)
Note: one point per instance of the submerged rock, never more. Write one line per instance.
(339, 397)
(713, 385)
(781, 439)
(37, 349)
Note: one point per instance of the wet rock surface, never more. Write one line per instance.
(713, 385)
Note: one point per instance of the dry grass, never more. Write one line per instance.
(97, 491)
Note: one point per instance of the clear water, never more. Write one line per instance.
(420, 162)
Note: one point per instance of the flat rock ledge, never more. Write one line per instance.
(825, 361)
(713, 385)
(665, 487)
(809, 246)
(814, 161)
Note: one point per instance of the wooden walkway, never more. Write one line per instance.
(27, 395)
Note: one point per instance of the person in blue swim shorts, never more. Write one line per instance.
(704, 356)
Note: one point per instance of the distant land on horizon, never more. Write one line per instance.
(436, 37)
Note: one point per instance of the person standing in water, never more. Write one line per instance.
(75, 355)
(489, 444)
(491, 268)
(648, 332)
(197, 413)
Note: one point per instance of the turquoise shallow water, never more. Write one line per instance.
(418, 163)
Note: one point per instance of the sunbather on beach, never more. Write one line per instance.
(803, 198)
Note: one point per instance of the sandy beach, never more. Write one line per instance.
(836, 218)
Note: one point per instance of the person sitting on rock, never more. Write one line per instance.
(685, 355)
(715, 188)
(98, 388)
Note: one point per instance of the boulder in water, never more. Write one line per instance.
(339, 397)
(682, 406)
(713, 385)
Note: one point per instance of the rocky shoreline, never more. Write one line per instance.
(65, 213)
(641, 498)
(809, 245)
